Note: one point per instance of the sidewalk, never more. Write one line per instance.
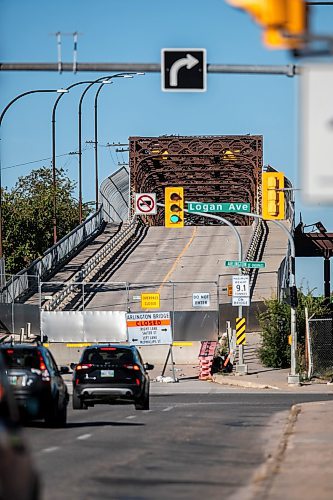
(270, 378)
(301, 466)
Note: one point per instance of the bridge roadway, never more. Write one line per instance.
(185, 256)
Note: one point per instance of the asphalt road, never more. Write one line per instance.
(194, 254)
(197, 440)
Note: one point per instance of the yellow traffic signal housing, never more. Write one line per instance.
(284, 21)
(174, 206)
(273, 204)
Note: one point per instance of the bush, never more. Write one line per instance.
(275, 329)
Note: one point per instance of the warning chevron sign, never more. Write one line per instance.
(240, 331)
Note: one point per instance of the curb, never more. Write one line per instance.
(220, 379)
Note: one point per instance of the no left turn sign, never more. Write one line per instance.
(145, 203)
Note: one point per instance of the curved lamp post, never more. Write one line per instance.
(59, 91)
(103, 81)
(54, 168)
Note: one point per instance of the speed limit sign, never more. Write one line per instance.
(241, 285)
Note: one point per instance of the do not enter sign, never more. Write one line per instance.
(145, 203)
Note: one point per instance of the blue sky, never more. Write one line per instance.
(132, 31)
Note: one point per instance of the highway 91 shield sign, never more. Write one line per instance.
(149, 328)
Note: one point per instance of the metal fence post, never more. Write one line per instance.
(13, 306)
(173, 328)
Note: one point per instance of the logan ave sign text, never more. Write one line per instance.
(196, 206)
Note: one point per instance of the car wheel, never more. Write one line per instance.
(56, 417)
(143, 402)
(77, 402)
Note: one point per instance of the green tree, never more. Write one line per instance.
(274, 322)
(27, 212)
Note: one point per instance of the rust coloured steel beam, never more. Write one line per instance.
(211, 169)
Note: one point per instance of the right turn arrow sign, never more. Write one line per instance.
(184, 70)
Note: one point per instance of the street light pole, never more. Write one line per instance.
(102, 80)
(59, 91)
(54, 168)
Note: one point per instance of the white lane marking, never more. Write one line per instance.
(51, 449)
(168, 408)
(131, 416)
(84, 436)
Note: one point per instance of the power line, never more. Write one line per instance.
(71, 153)
(38, 161)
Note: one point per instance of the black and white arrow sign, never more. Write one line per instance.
(184, 70)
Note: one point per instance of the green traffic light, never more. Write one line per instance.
(174, 219)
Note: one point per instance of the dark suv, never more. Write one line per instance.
(38, 386)
(111, 374)
(18, 476)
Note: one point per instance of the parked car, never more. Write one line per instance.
(111, 374)
(18, 477)
(38, 386)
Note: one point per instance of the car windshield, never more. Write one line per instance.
(108, 355)
(21, 358)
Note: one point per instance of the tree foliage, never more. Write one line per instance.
(275, 328)
(27, 212)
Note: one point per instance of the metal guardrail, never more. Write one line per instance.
(94, 264)
(29, 278)
(255, 249)
(114, 196)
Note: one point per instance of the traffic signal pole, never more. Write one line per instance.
(293, 377)
(241, 366)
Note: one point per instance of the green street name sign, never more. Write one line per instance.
(245, 264)
(196, 206)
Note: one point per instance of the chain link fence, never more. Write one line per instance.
(320, 347)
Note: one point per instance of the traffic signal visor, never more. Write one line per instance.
(174, 206)
(284, 21)
(273, 204)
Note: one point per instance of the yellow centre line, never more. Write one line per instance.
(174, 265)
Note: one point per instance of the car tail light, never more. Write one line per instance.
(107, 348)
(137, 381)
(83, 366)
(43, 369)
(10, 351)
(132, 367)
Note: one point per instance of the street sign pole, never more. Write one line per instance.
(293, 377)
(241, 367)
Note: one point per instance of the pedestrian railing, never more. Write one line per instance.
(26, 281)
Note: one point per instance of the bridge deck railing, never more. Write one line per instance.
(28, 279)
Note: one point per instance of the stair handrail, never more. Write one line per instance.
(28, 279)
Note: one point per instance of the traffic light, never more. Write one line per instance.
(293, 296)
(174, 206)
(284, 21)
(273, 196)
